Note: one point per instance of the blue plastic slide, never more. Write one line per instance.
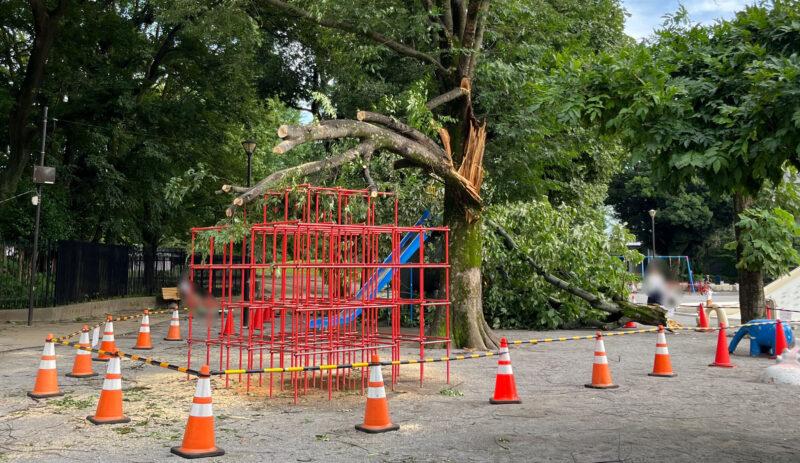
(409, 248)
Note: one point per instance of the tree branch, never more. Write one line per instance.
(402, 129)
(652, 315)
(353, 29)
(449, 96)
(379, 138)
(231, 188)
(308, 168)
(373, 189)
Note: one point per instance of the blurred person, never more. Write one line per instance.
(654, 285)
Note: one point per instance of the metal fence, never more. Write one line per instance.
(15, 274)
(71, 271)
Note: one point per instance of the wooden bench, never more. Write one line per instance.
(170, 294)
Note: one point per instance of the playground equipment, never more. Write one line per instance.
(762, 336)
(704, 315)
(307, 286)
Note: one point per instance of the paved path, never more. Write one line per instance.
(703, 414)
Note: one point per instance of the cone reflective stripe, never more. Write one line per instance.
(143, 341)
(198, 440)
(174, 333)
(662, 365)
(376, 416)
(83, 358)
(702, 321)
(601, 374)
(722, 359)
(505, 388)
(109, 407)
(47, 379)
(780, 341)
(108, 344)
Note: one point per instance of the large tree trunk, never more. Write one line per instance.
(467, 325)
(751, 282)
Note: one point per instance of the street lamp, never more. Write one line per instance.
(249, 146)
(652, 213)
(42, 175)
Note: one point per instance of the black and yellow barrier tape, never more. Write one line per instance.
(116, 319)
(146, 360)
(398, 362)
(355, 365)
(458, 357)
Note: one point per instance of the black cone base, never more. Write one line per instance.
(44, 396)
(393, 427)
(88, 375)
(500, 402)
(592, 386)
(214, 453)
(124, 419)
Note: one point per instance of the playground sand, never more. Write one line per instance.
(702, 414)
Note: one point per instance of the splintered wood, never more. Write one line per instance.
(472, 167)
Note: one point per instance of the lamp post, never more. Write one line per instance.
(652, 213)
(249, 146)
(47, 175)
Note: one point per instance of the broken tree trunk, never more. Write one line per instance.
(620, 311)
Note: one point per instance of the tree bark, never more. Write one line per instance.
(468, 327)
(751, 282)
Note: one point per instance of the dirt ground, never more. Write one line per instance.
(702, 414)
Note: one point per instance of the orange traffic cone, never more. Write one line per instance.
(769, 313)
(198, 440)
(780, 341)
(505, 389)
(662, 365)
(601, 374)
(630, 325)
(83, 358)
(143, 341)
(47, 379)
(702, 319)
(376, 417)
(174, 333)
(108, 344)
(723, 358)
(109, 407)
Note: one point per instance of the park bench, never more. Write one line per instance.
(169, 295)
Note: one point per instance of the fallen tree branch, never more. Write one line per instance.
(651, 315)
(231, 188)
(402, 129)
(308, 168)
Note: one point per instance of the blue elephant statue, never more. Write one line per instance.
(762, 337)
